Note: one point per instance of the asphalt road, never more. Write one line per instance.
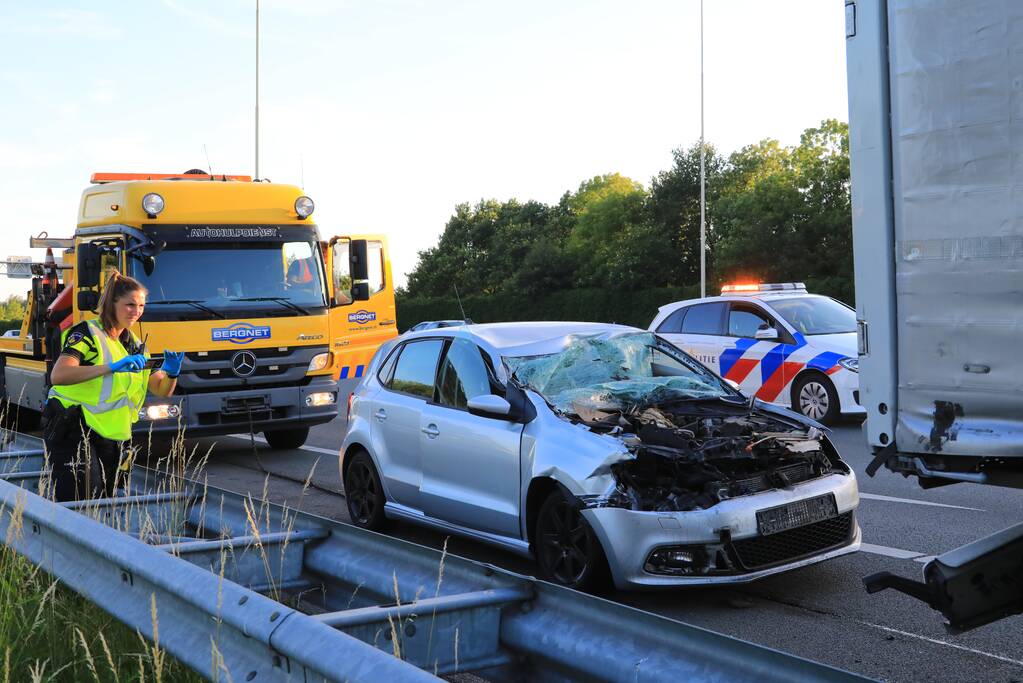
(820, 612)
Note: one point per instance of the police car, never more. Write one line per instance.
(775, 341)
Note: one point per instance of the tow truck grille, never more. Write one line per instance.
(761, 552)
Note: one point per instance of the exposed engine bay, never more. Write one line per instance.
(691, 441)
(688, 458)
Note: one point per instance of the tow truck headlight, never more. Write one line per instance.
(320, 398)
(319, 361)
(850, 364)
(159, 412)
(152, 204)
(304, 207)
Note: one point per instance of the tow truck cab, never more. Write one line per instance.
(276, 321)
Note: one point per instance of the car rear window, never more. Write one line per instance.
(704, 319)
(673, 323)
(417, 367)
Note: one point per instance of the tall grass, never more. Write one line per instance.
(50, 633)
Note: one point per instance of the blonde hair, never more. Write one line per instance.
(116, 287)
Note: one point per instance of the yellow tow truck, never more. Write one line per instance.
(277, 322)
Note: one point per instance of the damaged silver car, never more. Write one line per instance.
(602, 451)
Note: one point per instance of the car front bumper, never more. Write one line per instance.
(629, 537)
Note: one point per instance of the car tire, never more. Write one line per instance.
(814, 395)
(566, 549)
(286, 439)
(364, 494)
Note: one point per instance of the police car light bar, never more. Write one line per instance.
(763, 287)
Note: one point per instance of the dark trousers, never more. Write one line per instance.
(83, 463)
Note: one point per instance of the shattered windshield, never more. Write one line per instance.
(621, 373)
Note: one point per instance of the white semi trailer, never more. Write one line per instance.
(936, 142)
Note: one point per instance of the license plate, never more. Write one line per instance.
(800, 513)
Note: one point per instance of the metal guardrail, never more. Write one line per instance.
(276, 594)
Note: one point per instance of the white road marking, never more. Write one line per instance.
(912, 501)
(938, 641)
(311, 449)
(897, 553)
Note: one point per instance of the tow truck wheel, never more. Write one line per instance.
(567, 550)
(814, 395)
(284, 439)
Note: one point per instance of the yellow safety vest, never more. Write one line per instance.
(110, 403)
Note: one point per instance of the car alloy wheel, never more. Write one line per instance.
(815, 397)
(364, 494)
(813, 400)
(567, 549)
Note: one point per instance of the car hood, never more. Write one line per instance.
(843, 343)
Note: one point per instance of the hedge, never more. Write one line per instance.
(635, 308)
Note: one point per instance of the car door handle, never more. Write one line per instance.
(380, 415)
(431, 431)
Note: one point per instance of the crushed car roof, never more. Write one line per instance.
(529, 338)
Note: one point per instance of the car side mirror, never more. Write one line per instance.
(490, 405)
(766, 332)
(732, 383)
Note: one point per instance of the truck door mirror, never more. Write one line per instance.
(148, 264)
(360, 291)
(359, 256)
(88, 300)
(89, 265)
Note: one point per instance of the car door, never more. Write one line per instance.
(774, 371)
(703, 333)
(396, 412)
(470, 463)
(742, 361)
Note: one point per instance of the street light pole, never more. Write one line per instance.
(703, 178)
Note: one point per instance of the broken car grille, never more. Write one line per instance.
(781, 477)
(787, 546)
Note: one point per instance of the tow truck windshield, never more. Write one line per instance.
(226, 279)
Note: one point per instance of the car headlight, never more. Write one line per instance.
(850, 364)
(319, 361)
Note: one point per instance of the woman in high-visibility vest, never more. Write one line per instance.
(99, 385)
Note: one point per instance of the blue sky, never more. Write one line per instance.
(392, 112)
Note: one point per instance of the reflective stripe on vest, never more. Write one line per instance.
(98, 403)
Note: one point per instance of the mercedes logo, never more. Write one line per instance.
(243, 363)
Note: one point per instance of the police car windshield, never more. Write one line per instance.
(811, 314)
(235, 276)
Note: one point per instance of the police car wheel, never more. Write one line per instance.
(814, 396)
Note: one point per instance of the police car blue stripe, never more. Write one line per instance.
(824, 361)
(358, 370)
(730, 356)
(778, 355)
(344, 372)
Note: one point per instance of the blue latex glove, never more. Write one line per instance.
(172, 362)
(129, 364)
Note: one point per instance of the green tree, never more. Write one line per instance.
(784, 214)
(674, 211)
